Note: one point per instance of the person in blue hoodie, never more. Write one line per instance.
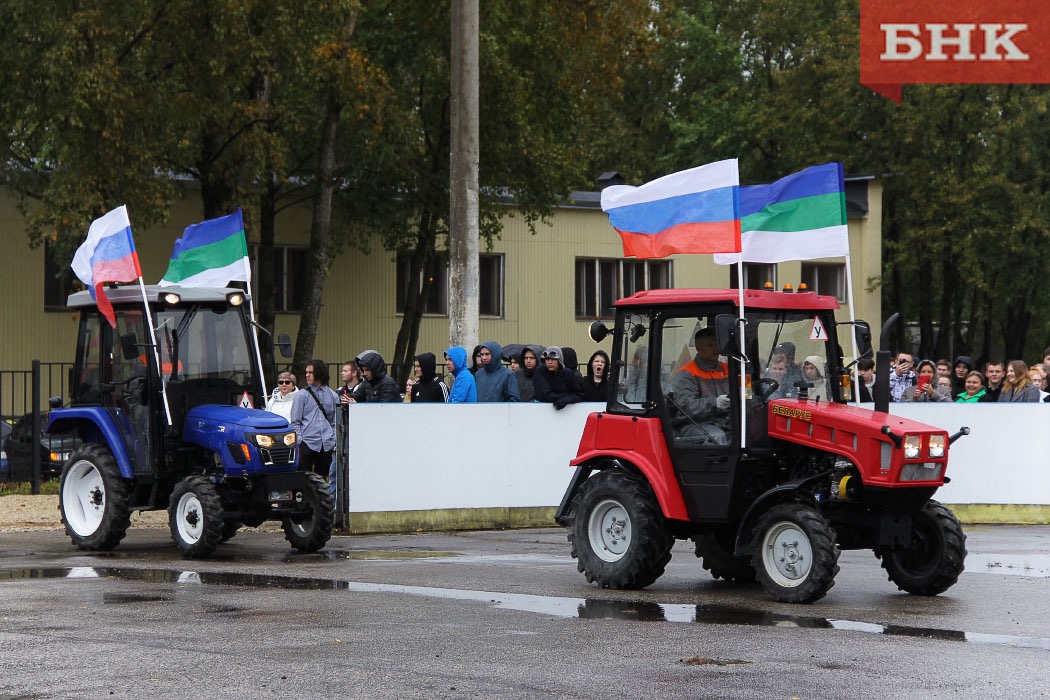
(496, 383)
(464, 390)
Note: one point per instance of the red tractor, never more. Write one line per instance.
(770, 479)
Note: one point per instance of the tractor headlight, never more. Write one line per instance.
(264, 440)
(912, 443)
(289, 439)
(937, 443)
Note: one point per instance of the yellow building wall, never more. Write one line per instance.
(359, 306)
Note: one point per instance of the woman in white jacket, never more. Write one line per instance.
(281, 400)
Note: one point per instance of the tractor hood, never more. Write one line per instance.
(213, 415)
(865, 437)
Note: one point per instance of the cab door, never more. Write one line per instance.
(702, 437)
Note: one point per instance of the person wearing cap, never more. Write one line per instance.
(553, 382)
(464, 389)
(701, 393)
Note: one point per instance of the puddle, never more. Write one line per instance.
(1034, 565)
(570, 608)
(347, 554)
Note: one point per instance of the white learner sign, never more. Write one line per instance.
(818, 332)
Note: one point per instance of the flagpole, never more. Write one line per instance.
(258, 355)
(156, 353)
(741, 332)
(853, 320)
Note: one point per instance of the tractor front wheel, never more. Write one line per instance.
(313, 532)
(794, 553)
(618, 533)
(195, 517)
(933, 560)
(93, 498)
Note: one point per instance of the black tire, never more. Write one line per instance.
(195, 517)
(794, 553)
(312, 533)
(618, 534)
(229, 529)
(935, 558)
(94, 499)
(716, 552)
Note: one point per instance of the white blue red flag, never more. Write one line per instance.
(108, 255)
(693, 211)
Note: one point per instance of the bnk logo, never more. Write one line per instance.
(955, 42)
(947, 41)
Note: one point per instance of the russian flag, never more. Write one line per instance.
(693, 211)
(108, 255)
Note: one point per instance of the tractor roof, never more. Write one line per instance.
(131, 294)
(753, 298)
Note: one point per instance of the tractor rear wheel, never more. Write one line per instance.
(618, 533)
(195, 517)
(935, 557)
(794, 553)
(93, 498)
(311, 533)
(716, 551)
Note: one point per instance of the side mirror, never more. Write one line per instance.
(284, 343)
(725, 334)
(598, 331)
(862, 331)
(129, 346)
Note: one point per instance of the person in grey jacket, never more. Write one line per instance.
(1016, 387)
(313, 420)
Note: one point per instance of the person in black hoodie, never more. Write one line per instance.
(594, 384)
(572, 363)
(530, 362)
(381, 387)
(963, 366)
(427, 388)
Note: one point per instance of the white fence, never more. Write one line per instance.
(432, 459)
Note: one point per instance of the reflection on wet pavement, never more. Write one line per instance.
(589, 608)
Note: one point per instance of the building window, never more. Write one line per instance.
(600, 282)
(490, 286)
(289, 277)
(755, 276)
(436, 272)
(825, 278)
(59, 282)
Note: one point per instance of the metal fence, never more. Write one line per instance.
(16, 388)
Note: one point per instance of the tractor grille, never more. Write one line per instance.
(277, 455)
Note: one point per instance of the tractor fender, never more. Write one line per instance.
(778, 494)
(661, 480)
(94, 424)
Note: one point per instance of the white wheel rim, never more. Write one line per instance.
(189, 518)
(787, 554)
(609, 530)
(83, 498)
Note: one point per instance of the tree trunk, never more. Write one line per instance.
(266, 279)
(320, 229)
(415, 300)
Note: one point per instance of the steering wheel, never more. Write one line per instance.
(765, 387)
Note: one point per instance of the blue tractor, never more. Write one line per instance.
(165, 407)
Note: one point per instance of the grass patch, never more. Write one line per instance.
(25, 488)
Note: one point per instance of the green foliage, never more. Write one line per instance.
(25, 488)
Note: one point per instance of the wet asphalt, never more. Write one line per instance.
(501, 615)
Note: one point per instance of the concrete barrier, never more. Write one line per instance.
(435, 467)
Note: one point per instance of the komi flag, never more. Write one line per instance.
(693, 211)
(107, 255)
(798, 217)
(212, 253)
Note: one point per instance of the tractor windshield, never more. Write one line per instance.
(204, 342)
(792, 349)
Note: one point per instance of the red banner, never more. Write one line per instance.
(953, 41)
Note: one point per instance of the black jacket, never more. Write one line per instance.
(559, 388)
(429, 389)
(382, 388)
